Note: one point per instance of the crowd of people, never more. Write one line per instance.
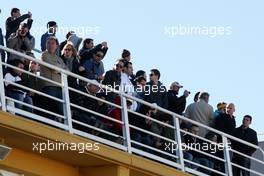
(88, 62)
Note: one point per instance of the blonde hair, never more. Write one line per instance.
(70, 44)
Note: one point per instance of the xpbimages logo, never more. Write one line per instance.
(211, 147)
(62, 146)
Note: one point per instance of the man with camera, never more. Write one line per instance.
(13, 22)
(19, 41)
(177, 104)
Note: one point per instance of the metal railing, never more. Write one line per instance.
(99, 130)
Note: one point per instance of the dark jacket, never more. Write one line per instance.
(176, 104)
(13, 24)
(248, 135)
(193, 142)
(72, 81)
(31, 81)
(2, 43)
(156, 94)
(225, 123)
(85, 102)
(93, 69)
(112, 78)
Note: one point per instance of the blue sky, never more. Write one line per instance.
(228, 66)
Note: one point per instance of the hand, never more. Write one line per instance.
(31, 94)
(186, 93)
(148, 121)
(81, 68)
(104, 44)
(100, 77)
(30, 15)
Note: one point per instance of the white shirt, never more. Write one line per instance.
(127, 87)
(9, 77)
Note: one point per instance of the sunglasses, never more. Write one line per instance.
(99, 55)
(68, 49)
(120, 66)
(151, 74)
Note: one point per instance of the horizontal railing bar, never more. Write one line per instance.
(34, 75)
(155, 157)
(246, 169)
(207, 154)
(93, 97)
(35, 91)
(246, 156)
(37, 117)
(152, 119)
(96, 113)
(95, 128)
(204, 167)
(99, 139)
(151, 133)
(195, 172)
(152, 148)
(199, 137)
(34, 107)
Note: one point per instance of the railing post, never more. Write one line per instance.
(178, 139)
(66, 98)
(126, 132)
(228, 165)
(2, 86)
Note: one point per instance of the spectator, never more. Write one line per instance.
(51, 31)
(188, 156)
(69, 56)
(141, 73)
(62, 44)
(195, 143)
(155, 92)
(177, 104)
(15, 92)
(249, 135)
(143, 123)
(103, 109)
(226, 122)
(19, 42)
(2, 52)
(126, 84)
(13, 22)
(201, 112)
(221, 109)
(87, 103)
(112, 79)
(89, 49)
(94, 67)
(49, 88)
(126, 55)
(212, 149)
(116, 114)
(32, 81)
(139, 89)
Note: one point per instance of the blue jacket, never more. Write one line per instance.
(93, 69)
(44, 38)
